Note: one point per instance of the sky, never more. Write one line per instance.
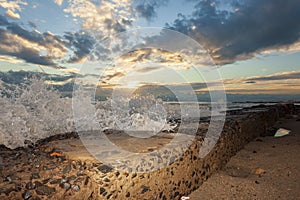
(254, 44)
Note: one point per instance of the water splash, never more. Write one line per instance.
(34, 111)
(30, 112)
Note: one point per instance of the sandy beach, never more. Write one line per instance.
(267, 168)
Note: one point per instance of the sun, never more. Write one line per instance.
(130, 85)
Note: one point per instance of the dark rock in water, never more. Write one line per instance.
(44, 190)
(76, 188)
(35, 175)
(30, 186)
(66, 186)
(67, 169)
(104, 169)
(27, 194)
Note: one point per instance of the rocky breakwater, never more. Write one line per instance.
(61, 168)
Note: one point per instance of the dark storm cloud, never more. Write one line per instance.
(80, 43)
(147, 8)
(250, 27)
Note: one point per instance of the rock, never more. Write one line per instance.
(104, 169)
(37, 183)
(30, 186)
(67, 169)
(259, 171)
(27, 194)
(106, 180)
(45, 190)
(66, 186)
(75, 188)
(102, 190)
(45, 181)
(55, 181)
(18, 186)
(35, 175)
(237, 172)
(71, 178)
(86, 181)
(80, 173)
(127, 194)
(145, 189)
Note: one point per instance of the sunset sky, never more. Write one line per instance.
(254, 43)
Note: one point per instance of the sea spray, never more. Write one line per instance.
(31, 112)
(34, 111)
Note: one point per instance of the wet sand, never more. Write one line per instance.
(266, 168)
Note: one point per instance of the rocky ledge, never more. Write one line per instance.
(47, 170)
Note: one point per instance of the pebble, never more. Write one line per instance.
(66, 186)
(45, 190)
(35, 175)
(71, 178)
(55, 181)
(145, 189)
(30, 186)
(67, 169)
(102, 190)
(27, 194)
(76, 188)
(104, 169)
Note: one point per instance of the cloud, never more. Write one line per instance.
(103, 19)
(248, 28)
(147, 9)
(12, 15)
(81, 43)
(31, 46)
(278, 83)
(278, 76)
(58, 2)
(12, 7)
(3, 21)
(32, 24)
